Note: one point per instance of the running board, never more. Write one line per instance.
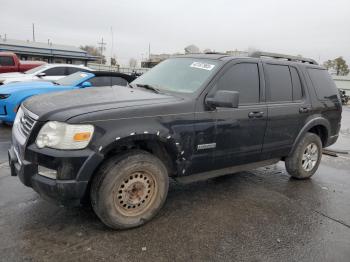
(224, 171)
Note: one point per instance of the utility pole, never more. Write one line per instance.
(112, 45)
(102, 48)
(33, 28)
(149, 51)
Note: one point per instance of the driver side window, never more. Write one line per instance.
(243, 78)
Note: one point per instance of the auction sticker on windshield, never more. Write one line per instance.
(204, 66)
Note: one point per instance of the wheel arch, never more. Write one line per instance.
(164, 146)
(319, 126)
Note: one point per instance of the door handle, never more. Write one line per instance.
(304, 110)
(256, 114)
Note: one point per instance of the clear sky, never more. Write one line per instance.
(312, 28)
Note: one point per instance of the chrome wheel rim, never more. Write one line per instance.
(310, 157)
(135, 193)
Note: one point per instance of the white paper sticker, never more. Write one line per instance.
(204, 66)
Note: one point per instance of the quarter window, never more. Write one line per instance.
(323, 83)
(243, 78)
(72, 70)
(279, 83)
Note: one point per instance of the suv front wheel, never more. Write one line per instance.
(305, 159)
(129, 189)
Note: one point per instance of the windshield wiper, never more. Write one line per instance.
(149, 87)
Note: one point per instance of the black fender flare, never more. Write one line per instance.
(170, 141)
(317, 121)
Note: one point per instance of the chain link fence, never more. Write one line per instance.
(125, 70)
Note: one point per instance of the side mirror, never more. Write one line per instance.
(224, 98)
(86, 84)
(41, 74)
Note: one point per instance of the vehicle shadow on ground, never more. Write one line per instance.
(227, 212)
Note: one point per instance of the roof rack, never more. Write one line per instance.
(259, 54)
(214, 53)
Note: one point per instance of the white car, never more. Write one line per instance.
(48, 72)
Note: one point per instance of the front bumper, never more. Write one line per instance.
(68, 192)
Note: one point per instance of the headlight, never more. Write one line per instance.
(4, 96)
(19, 115)
(64, 136)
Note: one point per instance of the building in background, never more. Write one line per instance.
(47, 52)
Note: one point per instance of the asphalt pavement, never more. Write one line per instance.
(261, 215)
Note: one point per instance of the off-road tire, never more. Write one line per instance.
(294, 162)
(115, 182)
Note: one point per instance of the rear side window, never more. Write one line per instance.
(6, 61)
(72, 70)
(297, 88)
(101, 81)
(56, 71)
(119, 81)
(322, 82)
(243, 78)
(108, 81)
(279, 83)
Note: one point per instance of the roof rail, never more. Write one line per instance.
(215, 53)
(259, 54)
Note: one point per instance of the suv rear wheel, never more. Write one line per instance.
(304, 161)
(129, 189)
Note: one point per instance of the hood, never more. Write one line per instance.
(65, 105)
(20, 86)
(10, 75)
(15, 77)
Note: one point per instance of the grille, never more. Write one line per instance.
(26, 124)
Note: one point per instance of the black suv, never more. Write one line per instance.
(191, 117)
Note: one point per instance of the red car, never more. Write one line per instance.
(9, 62)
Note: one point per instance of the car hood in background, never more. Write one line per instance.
(63, 106)
(11, 75)
(14, 87)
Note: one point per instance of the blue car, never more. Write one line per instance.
(12, 95)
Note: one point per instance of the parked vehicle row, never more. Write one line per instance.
(344, 97)
(191, 117)
(12, 95)
(47, 72)
(9, 62)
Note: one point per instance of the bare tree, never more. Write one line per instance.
(94, 51)
(132, 62)
(338, 65)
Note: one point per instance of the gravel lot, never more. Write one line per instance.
(261, 215)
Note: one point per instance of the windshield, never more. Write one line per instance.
(35, 69)
(72, 79)
(185, 75)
